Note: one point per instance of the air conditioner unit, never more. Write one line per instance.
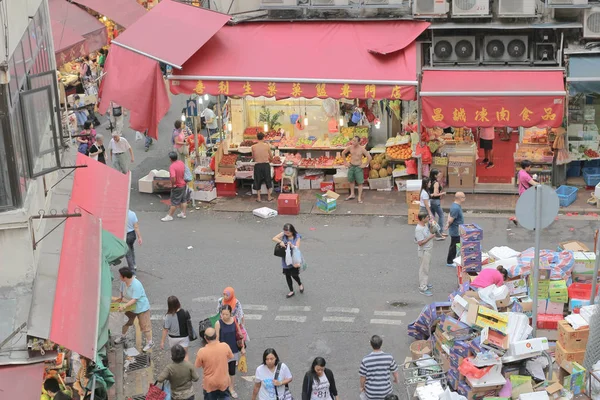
(454, 49)
(430, 8)
(591, 23)
(330, 3)
(505, 49)
(470, 8)
(567, 2)
(278, 3)
(516, 8)
(385, 2)
(545, 54)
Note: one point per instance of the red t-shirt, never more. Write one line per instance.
(190, 141)
(488, 277)
(177, 170)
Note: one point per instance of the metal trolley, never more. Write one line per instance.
(416, 374)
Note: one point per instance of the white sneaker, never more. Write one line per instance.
(120, 339)
(148, 346)
(167, 218)
(181, 215)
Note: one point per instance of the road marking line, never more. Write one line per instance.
(206, 299)
(295, 308)
(338, 319)
(390, 313)
(343, 310)
(253, 316)
(158, 308)
(254, 307)
(157, 317)
(291, 318)
(386, 321)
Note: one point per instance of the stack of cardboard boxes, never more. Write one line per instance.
(471, 236)
(461, 171)
(412, 199)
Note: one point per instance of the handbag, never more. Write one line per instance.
(239, 335)
(117, 111)
(279, 251)
(156, 393)
(187, 174)
(192, 335)
(287, 395)
(203, 326)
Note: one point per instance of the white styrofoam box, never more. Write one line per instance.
(316, 183)
(263, 190)
(597, 191)
(554, 308)
(541, 306)
(145, 184)
(502, 253)
(303, 183)
(264, 212)
(413, 185)
(204, 195)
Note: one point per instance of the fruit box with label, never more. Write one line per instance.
(517, 286)
(470, 233)
(471, 262)
(327, 202)
(563, 356)
(557, 291)
(486, 317)
(288, 204)
(493, 340)
(575, 383)
(530, 346)
(470, 248)
(548, 321)
(572, 339)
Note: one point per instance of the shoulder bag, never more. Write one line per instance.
(279, 251)
(239, 335)
(287, 395)
(192, 335)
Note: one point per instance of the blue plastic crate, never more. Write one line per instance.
(574, 169)
(566, 195)
(591, 176)
(591, 163)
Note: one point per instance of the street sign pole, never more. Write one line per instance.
(536, 259)
(596, 265)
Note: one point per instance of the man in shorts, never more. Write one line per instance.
(486, 142)
(134, 290)
(178, 188)
(356, 166)
(262, 156)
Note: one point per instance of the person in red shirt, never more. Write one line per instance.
(490, 276)
(190, 141)
(178, 188)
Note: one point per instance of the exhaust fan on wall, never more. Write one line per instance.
(454, 49)
(506, 49)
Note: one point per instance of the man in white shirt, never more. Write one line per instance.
(210, 119)
(116, 149)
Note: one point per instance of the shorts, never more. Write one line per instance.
(485, 144)
(262, 174)
(182, 341)
(177, 195)
(143, 319)
(356, 174)
(232, 367)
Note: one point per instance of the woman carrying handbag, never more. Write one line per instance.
(272, 378)
(289, 240)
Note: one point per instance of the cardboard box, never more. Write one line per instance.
(555, 308)
(471, 262)
(327, 202)
(557, 291)
(204, 195)
(548, 321)
(327, 186)
(576, 304)
(580, 262)
(530, 346)
(315, 184)
(573, 245)
(554, 391)
(470, 233)
(226, 189)
(494, 340)
(461, 177)
(564, 357)
(160, 185)
(288, 204)
(224, 179)
(517, 286)
(550, 334)
(459, 305)
(467, 248)
(341, 182)
(572, 339)
(413, 216)
(412, 196)
(575, 382)
(486, 317)
(303, 183)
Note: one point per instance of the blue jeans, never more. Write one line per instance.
(217, 395)
(436, 208)
(148, 142)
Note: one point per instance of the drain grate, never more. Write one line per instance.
(137, 397)
(140, 361)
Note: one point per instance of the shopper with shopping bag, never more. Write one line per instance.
(290, 240)
(180, 374)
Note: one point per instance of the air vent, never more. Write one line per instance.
(591, 23)
(454, 50)
(506, 49)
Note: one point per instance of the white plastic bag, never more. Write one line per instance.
(138, 136)
(296, 257)
(448, 395)
(288, 255)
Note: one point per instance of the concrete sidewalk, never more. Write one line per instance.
(394, 204)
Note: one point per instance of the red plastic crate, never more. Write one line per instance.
(288, 204)
(582, 291)
(548, 321)
(226, 189)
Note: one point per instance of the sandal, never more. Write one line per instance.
(290, 294)
(350, 198)
(302, 289)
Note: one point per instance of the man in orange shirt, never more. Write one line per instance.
(214, 359)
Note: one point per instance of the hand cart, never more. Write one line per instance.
(420, 372)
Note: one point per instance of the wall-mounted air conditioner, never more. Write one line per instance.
(430, 8)
(278, 3)
(505, 49)
(470, 8)
(591, 23)
(385, 2)
(516, 8)
(454, 50)
(566, 2)
(330, 3)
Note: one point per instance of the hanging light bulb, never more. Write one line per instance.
(206, 96)
(377, 123)
(182, 117)
(341, 121)
(266, 127)
(104, 18)
(305, 120)
(199, 100)
(229, 126)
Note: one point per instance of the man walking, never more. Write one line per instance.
(214, 359)
(424, 244)
(178, 188)
(210, 119)
(133, 233)
(455, 218)
(375, 371)
(134, 290)
(356, 166)
(117, 149)
(262, 156)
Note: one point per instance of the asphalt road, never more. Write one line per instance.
(361, 278)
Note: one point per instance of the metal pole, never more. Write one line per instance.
(536, 259)
(595, 275)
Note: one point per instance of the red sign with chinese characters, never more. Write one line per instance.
(293, 90)
(511, 111)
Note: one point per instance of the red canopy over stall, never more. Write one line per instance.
(493, 98)
(123, 12)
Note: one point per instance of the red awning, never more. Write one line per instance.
(68, 44)
(497, 98)
(123, 12)
(103, 192)
(78, 21)
(76, 306)
(306, 59)
(21, 381)
(172, 32)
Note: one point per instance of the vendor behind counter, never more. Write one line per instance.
(490, 276)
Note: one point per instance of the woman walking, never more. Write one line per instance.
(425, 203)
(436, 194)
(226, 333)
(290, 237)
(180, 374)
(271, 378)
(319, 383)
(230, 300)
(175, 325)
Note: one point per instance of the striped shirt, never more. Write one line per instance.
(376, 368)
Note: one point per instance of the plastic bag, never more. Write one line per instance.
(296, 258)
(138, 136)
(242, 364)
(411, 167)
(167, 389)
(469, 370)
(448, 395)
(425, 152)
(288, 255)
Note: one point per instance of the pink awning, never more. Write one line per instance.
(78, 21)
(172, 32)
(76, 307)
(68, 44)
(307, 59)
(21, 381)
(104, 192)
(123, 12)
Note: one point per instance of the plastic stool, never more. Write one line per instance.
(292, 179)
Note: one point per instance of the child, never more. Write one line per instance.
(424, 245)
